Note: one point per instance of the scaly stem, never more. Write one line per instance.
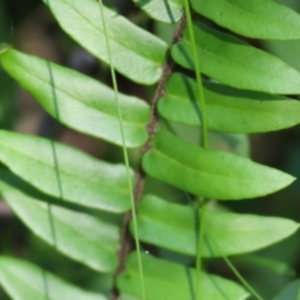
(204, 144)
(125, 154)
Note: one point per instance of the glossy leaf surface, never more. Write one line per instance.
(228, 109)
(23, 281)
(210, 173)
(136, 53)
(259, 19)
(170, 281)
(76, 234)
(168, 11)
(174, 227)
(78, 101)
(234, 62)
(64, 172)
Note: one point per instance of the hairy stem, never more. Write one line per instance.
(151, 128)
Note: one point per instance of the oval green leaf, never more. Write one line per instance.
(228, 109)
(78, 101)
(70, 231)
(65, 173)
(258, 19)
(225, 233)
(167, 11)
(171, 281)
(234, 62)
(23, 281)
(210, 173)
(136, 53)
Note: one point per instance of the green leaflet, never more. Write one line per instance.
(136, 53)
(64, 172)
(236, 63)
(170, 281)
(290, 292)
(78, 101)
(168, 11)
(25, 281)
(225, 233)
(70, 231)
(260, 19)
(210, 173)
(228, 109)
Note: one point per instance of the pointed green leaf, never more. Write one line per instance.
(168, 11)
(210, 173)
(259, 19)
(290, 292)
(64, 172)
(23, 281)
(226, 233)
(136, 53)
(170, 281)
(74, 233)
(228, 109)
(78, 101)
(234, 62)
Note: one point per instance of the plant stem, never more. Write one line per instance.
(167, 69)
(204, 144)
(125, 154)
